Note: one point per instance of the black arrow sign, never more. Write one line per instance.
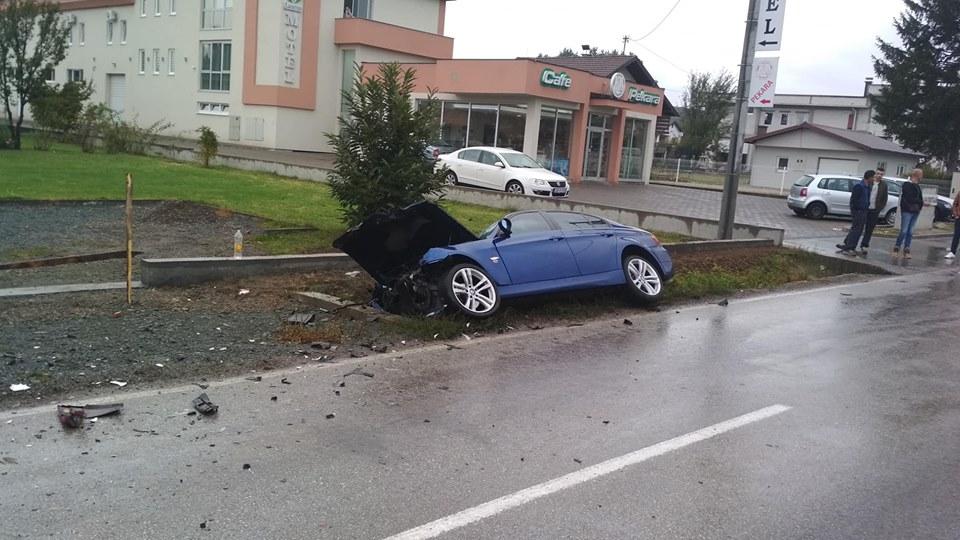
(765, 43)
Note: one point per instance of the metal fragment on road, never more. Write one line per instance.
(204, 406)
(301, 318)
(121, 384)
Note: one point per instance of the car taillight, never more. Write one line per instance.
(803, 192)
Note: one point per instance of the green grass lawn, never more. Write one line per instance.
(66, 173)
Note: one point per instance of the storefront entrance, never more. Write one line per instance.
(634, 147)
(599, 133)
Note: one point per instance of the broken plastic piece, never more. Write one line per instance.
(18, 387)
(121, 384)
(244, 292)
(72, 416)
(204, 406)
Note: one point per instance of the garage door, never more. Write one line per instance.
(116, 92)
(839, 166)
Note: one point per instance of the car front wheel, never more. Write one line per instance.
(471, 290)
(643, 279)
(515, 187)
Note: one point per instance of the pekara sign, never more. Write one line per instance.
(555, 79)
(763, 82)
(291, 40)
(637, 95)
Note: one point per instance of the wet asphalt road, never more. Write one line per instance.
(870, 447)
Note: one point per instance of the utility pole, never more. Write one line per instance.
(728, 209)
(626, 39)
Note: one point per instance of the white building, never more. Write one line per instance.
(258, 72)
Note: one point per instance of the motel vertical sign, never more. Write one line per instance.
(763, 78)
(291, 41)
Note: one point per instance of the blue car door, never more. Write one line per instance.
(591, 239)
(535, 251)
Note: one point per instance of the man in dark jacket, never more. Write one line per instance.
(859, 204)
(878, 201)
(911, 203)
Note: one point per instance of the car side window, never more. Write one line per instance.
(528, 223)
(470, 155)
(570, 221)
(839, 184)
(488, 158)
(893, 188)
(823, 183)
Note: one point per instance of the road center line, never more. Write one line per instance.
(496, 506)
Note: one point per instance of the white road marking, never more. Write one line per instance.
(494, 507)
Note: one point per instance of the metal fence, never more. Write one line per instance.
(696, 171)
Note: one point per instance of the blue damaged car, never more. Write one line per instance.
(424, 261)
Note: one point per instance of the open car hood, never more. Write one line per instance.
(387, 245)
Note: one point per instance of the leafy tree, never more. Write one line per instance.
(380, 164)
(706, 102)
(33, 40)
(57, 109)
(921, 103)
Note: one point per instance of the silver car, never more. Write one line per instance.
(817, 195)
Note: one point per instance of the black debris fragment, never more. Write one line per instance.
(627, 322)
(202, 386)
(285, 381)
(380, 349)
(331, 416)
(273, 398)
(203, 525)
(358, 371)
(845, 294)
(204, 406)
(579, 461)
(72, 416)
(322, 345)
(258, 378)
(246, 466)
(723, 303)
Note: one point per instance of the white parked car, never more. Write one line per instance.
(504, 170)
(817, 195)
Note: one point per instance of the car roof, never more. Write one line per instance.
(492, 149)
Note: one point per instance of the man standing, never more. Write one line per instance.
(859, 204)
(911, 202)
(878, 201)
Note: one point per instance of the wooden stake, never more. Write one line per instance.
(129, 220)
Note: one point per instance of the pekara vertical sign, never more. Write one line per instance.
(291, 41)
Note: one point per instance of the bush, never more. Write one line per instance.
(87, 133)
(208, 145)
(380, 164)
(57, 110)
(100, 124)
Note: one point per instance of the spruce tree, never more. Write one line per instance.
(920, 105)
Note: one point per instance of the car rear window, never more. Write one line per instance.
(569, 221)
(803, 181)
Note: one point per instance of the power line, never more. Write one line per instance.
(659, 24)
(651, 51)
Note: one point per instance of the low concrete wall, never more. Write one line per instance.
(179, 153)
(178, 272)
(708, 246)
(690, 226)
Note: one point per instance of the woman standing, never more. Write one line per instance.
(911, 202)
(956, 227)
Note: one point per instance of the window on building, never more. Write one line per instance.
(454, 122)
(900, 170)
(156, 61)
(219, 109)
(173, 7)
(803, 117)
(70, 38)
(882, 165)
(171, 61)
(483, 125)
(216, 14)
(215, 66)
(156, 8)
(142, 64)
(123, 31)
(784, 118)
(49, 75)
(634, 148)
(767, 119)
(851, 120)
(783, 163)
(361, 9)
(347, 78)
(75, 75)
(82, 33)
(511, 127)
(143, 8)
(109, 32)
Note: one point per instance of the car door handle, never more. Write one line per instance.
(608, 235)
(557, 238)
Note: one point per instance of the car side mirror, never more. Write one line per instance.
(500, 164)
(505, 226)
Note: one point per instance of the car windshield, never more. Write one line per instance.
(520, 161)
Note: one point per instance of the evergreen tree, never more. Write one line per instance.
(920, 105)
(380, 163)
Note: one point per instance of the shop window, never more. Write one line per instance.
(361, 9)
(548, 130)
(634, 147)
(554, 141)
(215, 66)
(483, 125)
(511, 127)
(454, 123)
(216, 14)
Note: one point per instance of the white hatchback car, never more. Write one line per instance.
(504, 170)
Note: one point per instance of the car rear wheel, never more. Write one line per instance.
(643, 278)
(515, 187)
(816, 210)
(452, 179)
(471, 290)
(891, 217)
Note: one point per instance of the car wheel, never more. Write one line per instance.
(452, 179)
(891, 218)
(515, 187)
(816, 210)
(643, 278)
(471, 290)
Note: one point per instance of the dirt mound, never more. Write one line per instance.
(185, 212)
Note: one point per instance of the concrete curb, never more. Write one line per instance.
(708, 246)
(72, 288)
(180, 272)
(69, 259)
(703, 187)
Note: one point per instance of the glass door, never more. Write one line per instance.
(597, 147)
(634, 146)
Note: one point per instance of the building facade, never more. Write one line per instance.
(258, 72)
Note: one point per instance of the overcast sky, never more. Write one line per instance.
(827, 46)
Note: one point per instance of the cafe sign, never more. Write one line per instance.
(643, 97)
(554, 79)
(291, 38)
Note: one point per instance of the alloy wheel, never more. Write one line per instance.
(474, 291)
(514, 187)
(644, 276)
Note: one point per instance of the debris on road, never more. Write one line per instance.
(579, 461)
(204, 406)
(72, 416)
(18, 387)
(359, 371)
(258, 378)
(355, 273)
(301, 318)
(246, 466)
(285, 381)
(322, 345)
(243, 292)
(8, 461)
(331, 416)
(723, 303)
(627, 322)
(121, 384)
